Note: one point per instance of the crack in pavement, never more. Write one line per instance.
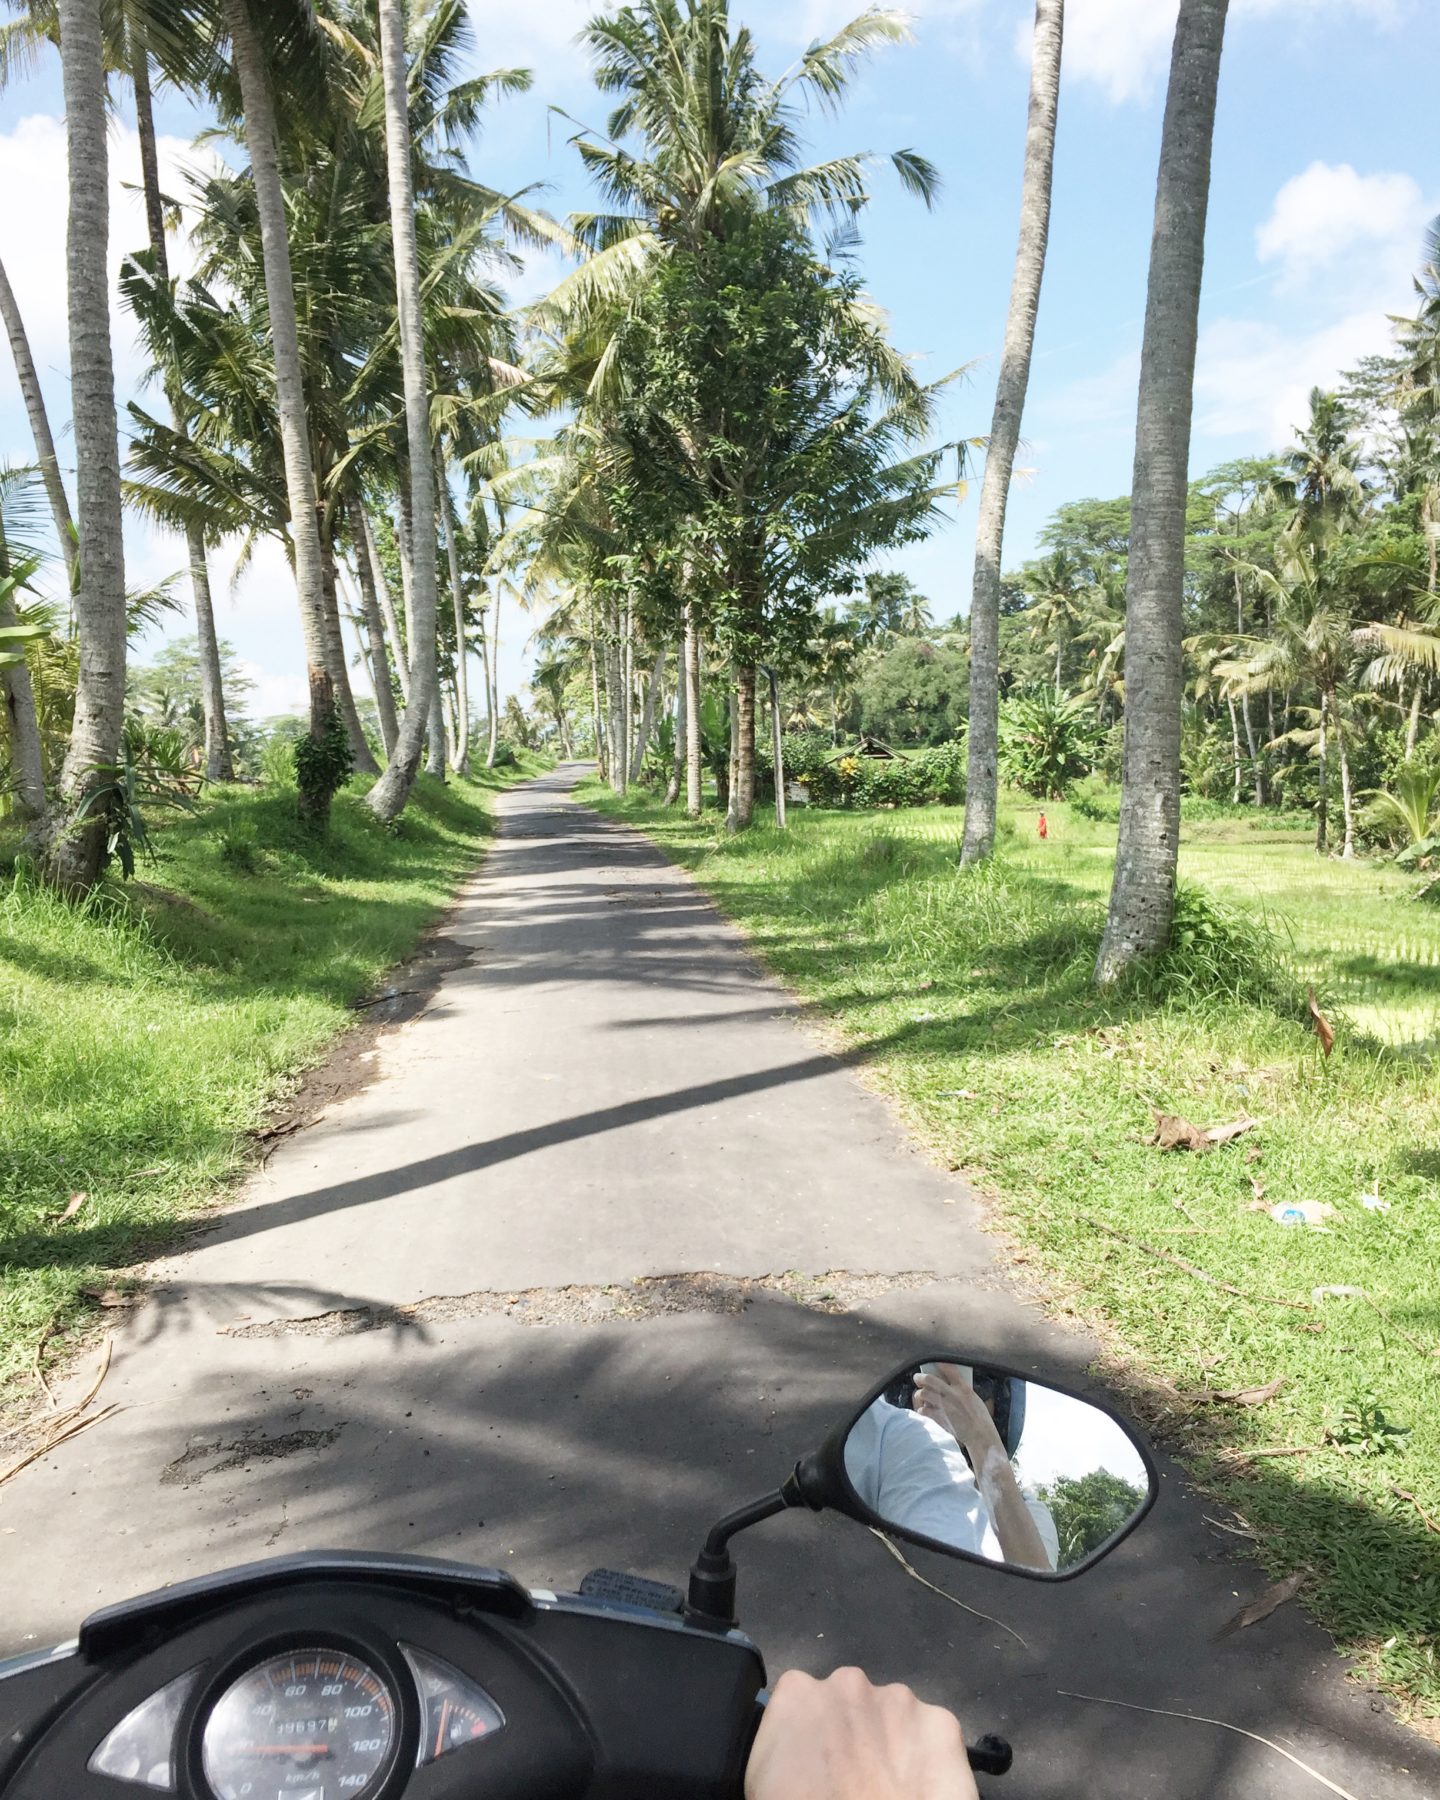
(648, 1297)
(185, 1471)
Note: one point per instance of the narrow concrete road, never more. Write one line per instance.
(609, 1090)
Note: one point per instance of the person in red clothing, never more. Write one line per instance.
(1042, 827)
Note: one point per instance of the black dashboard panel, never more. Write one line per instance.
(597, 1702)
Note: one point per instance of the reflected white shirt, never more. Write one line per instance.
(910, 1471)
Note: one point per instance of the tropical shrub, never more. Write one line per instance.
(1048, 741)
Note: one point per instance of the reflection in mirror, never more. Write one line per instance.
(998, 1467)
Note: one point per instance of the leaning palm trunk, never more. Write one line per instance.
(457, 604)
(75, 851)
(694, 740)
(982, 776)
(321, 768)
(390, 793)
(39, 427)
(371, 559)
(374, 627)
(1142, 898)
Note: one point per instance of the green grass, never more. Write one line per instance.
(143, 1034)
(968, 996)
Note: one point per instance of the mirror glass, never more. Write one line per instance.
(971, 1459)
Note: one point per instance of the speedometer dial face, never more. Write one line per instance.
(311, 1724)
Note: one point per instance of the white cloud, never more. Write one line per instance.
(1323, 216)
(1252, 377)
(32, 179)
(1123, 46)
(273, 695)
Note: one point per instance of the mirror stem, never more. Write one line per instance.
(711, 1600)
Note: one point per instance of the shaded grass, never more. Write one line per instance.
(144, 1033)
(968, 993)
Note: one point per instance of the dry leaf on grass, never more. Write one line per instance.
(1248, 1396)
(72, 1206)
(1272, 1599)
(1324, 1030)
(1175, 1133)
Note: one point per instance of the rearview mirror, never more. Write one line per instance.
(982, 1462)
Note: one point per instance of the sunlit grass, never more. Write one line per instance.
(968, 995)
(144, 1033)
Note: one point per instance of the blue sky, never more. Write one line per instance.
(1325, 177)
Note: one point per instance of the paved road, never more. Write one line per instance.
(609, 1089)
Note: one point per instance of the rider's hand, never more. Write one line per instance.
(842, 1739)
(945, 1395)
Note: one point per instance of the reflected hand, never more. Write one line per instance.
(945, 1395)
(844, 1739)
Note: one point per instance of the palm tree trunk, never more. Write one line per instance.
(321, 772)
(390, 793)
(1347, 801)
(74, 854)
(27, 760)
(1142, 899)
(369, 556)
(982, 779)
(694, 737)
(597, 719)
(654, 691)
(777, 749)
(678, 748)
(39, 427)
(742, 794)
(435, 736)
(380, 676)
(218, 765)
(1237, 785)
(457, 604)
(493, 736)
(1412, 728)
(627, 692)
(361, 755)
(1322, 814)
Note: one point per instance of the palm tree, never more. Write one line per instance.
(1142, 898)
(75, 851)
(325, 763)
(390, 793)
(1058, 606)
(1312, 646)
(983, 760)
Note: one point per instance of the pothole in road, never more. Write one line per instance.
(648, 1297)
(212, 1456)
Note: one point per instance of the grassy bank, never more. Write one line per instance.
(968, 995)
(144, 1034)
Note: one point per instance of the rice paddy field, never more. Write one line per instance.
(966, 996)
